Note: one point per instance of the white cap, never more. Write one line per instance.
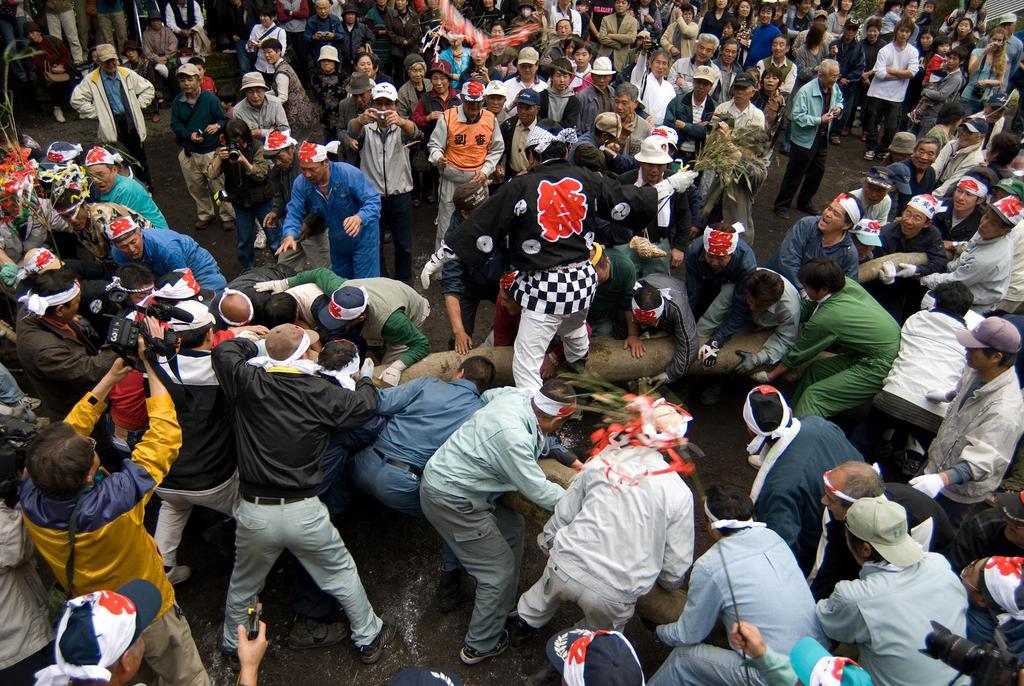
(603, 67)
(654, 150)
(385, 91)
(496, 87)
(201, 316)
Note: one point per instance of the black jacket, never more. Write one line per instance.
(678, 229)
(207, 455)
(546, 216)
(983, 534)
(929, 241)
(962, 231)
(283, 420)
(838, 563)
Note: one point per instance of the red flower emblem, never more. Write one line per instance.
(561, 208)
(121, 226)
(334, 308)
(1010, 206)
(190, 280)
(720, 243)
(310, 152)
(115, 603)
(1006, 566)
(98, 155)
(474, 89)
(969, 184)
(43, 258)
(648, 317)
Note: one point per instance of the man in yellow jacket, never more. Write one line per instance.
(88, 524)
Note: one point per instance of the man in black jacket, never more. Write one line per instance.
(204, 473)
(849, 482)
(283, 415)
(314, 245)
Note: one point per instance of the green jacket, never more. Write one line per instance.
(852, 320)
(613, 296)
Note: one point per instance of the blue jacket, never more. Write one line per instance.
(315, 25)
(700, 275)
(681, 108)
(981, 628)
(350, 192)
(808, 108)
(166, 250)
(803, 243)
(761, 44)
(851, 59)
(421, 415)
(790, 499)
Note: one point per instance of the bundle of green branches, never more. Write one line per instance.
(726, 153)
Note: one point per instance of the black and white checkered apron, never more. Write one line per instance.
(564, 289)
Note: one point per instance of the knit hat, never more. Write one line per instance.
(31, 26)
(413, 58)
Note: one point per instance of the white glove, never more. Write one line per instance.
(434, 264)
(760, 377)
(907, 270)
(660, 378)
(887, 273)
(682, 180)
(940, 395)
(708, 353)
(393, 374)
(276, 286)
(929, 484)
(366, 371)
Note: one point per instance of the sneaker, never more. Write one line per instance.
(371, 653)
(869, 155)
(177, 574)
(261, 239)
(203, 224)
(308, 633)
(449, 591)
(30, 402)
(835, 140)
(471, 656)
(58, 114)
(755, 461)
(519, 631)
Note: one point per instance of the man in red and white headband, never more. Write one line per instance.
(721, 258)
(824, 236)
(659, 304)
(912, 232)
(105, 177)
(960, 220)
(986, 263)
(349, 202)
(495, 451)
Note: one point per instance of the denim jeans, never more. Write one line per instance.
(396, 215)
(304, 529)
(10, 393)
(245, 232)
(11, 30)
(243, 56)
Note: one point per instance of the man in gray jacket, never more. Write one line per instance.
(314, 251)
(970, 454)
(661, 304)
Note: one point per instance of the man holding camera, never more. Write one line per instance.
(383, 138)
(197, 120)
(88, 524)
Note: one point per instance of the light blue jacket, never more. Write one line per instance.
(808, 104)
(886, 613)
(755, 560)
(495, 451)
(133, 195)
(349, 193)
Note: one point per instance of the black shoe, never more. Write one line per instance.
(431, 199)
(371, 653)
(781, 212)
(231, 658)
(449, 591)
(308, 633)
(470, 656)
(519, 631)
(807, 209)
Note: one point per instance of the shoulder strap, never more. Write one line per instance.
(69, 568)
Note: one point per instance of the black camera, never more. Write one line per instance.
(128, 325)
(233, 153)
(986, 664)
(15, 437)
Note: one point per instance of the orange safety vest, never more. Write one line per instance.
(467, 144)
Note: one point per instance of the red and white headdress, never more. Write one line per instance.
(1003, 581)
(278, 140)
(973, 186)
(117, 229)
(850, 206)
(314, 152)
(722, 243)
(98, 155)
(927, 203)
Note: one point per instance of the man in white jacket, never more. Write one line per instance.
(116, 97)
(960, 154)
(930, 357)
(624, 524)
(986, 263)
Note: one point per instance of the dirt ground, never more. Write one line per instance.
(398, 556)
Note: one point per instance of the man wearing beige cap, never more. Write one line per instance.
(197, 120)
(526, 65)
(116, 96)
(597, 97)
(887, 612)
(976, 440)
(255, 109)
(279, 444)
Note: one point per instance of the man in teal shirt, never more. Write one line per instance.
(494, 452)
(113, 187)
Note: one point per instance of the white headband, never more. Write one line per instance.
(38, 304)
(760, 436)
(552, 407)
(344, 375)
(850, 206)
(719, 524)
(347, 314)
(722, 243)
(220, 307)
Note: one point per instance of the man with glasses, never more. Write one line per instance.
(992, 584)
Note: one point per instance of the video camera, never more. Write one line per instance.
(127, 326)
(15, 436)
(986, 664)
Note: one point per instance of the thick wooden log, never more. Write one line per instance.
(869, 269)
(660, 606)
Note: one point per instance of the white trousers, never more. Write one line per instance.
(65, 25)
(534, 336)
(176, 506)
(540, 603)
